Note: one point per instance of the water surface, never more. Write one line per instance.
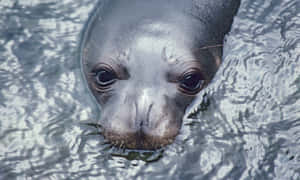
(248, 129)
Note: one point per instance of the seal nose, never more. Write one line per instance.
(152, 119)
(143, 106)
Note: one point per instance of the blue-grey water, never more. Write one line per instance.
(248, 129)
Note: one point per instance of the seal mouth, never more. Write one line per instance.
(138, 140)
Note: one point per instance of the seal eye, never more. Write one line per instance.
(191, 82)
(105, 77)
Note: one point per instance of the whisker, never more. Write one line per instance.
(211, 46)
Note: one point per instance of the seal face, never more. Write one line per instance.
(146, 60)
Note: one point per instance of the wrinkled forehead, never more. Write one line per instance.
(154, 40)
(144, 35)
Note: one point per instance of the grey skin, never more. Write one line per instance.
(146, 60)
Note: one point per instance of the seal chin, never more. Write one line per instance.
(142, 139)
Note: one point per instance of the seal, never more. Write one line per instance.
(146, 60)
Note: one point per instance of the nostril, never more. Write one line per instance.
(148, 114)
(142, 115)
(141, 124)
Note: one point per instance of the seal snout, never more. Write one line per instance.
(146, 125)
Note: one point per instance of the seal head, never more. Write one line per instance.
(146, 60)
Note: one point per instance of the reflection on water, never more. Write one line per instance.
(250, 130)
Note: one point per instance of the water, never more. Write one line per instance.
(249, 130)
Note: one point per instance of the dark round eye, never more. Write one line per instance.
(192, 82)
(105, 77)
